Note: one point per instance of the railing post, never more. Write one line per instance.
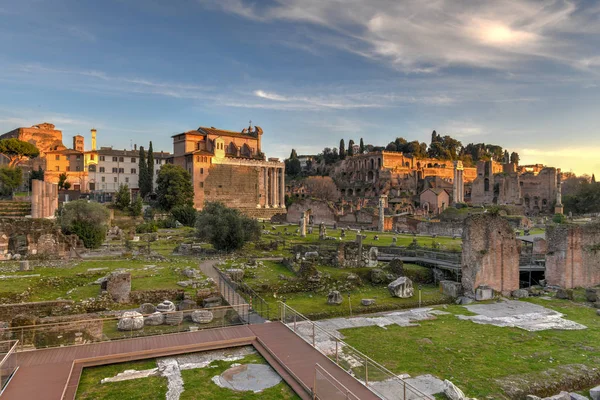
(366, 372)
(313, 326)
(404, 395)
(337, 359)
(294, 323)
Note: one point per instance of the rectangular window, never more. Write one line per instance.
(121, 170)
(121, 159)
(115, 159)
(157, 162)
(202, 171)
(115, 170)
(92, 157)
(78, 158)
(57, 158)
(201, 184)
(57, 168)
(102, 158)
(133, 171)
(102, 170)
(133, 159)
(126, 180)
(77, 168)
(115, 179)
(103, 179)
(68, 169)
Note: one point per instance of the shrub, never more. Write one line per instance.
(147, 227)
(225, 228)
(559, 219)
(88, 220)
(92, 236)
(186, 215)
(396, 267)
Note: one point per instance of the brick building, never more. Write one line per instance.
(230, 167)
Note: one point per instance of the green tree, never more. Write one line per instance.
(350, 151)
(174, 187)
(225, 228)
(88, 220)
(186, 215)
(292, 165)
(361, 147)
(514, 158)
(123, 198)
(136, 207)
(342, 151)
(62, 179)
(143, 174)
(17, 151)
(150, 169)
(39, 175)
(67, 185)
(10, 179)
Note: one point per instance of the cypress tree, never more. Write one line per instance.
(361, 146)
(350, 152)
(342, 149)
(143, 173)
(150, 169)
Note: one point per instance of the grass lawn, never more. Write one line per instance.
(385, 239)
(474, 356)
(71, 281)
(197, 383)
(90, 388)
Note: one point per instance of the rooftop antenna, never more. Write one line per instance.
(130, 144)
(250, 126)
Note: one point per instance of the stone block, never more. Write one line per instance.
(367, 302)
(453, 392)
(577, 396)
(236, 274)
(595, 393)
(565, 294)
(334, 298)
(560, 396)
(520, 294)
(451, 288)
(154, 319)
(174, 318)
(118, 286)
(147, 308)
(591, 294)
(165, 306)
(187, 305)
(130, 321)
(24, 266)
(401, 287)
(484, 293)
(202, 316)
(463, 301)
(212, 302)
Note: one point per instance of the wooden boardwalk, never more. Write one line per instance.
(53, 374)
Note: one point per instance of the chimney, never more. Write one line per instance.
(93, 139)
(135, 147)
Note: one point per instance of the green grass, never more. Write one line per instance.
(90, 388)
(198, 384)
(474, 356)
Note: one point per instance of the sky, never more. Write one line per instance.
(518, 73)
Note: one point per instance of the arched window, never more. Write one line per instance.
(92, 168)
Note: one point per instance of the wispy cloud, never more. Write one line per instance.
(424, 36)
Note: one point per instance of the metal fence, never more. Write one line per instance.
(76, 332)
(236, 293)
(326, 387)
(375, 376)
(8, 362)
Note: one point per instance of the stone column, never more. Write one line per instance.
(265, 173)
(282, 187)
(276, 186)
(272, 188)
(458, 185)
(381, 224)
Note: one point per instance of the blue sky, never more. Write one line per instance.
(522, 74)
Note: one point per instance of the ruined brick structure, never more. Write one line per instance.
(28, 236)
(43, 136)
(533, 188)
(230, 167)
(490, 254)
(44, 199)
(573, 255)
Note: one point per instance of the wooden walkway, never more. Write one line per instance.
(53, 374)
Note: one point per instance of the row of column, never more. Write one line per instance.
(274, 187)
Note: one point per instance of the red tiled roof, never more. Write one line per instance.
(222, 132)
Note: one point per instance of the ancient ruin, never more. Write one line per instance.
(44, 199)
(490, 255)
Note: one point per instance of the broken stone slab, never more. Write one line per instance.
(451, 288)
(532, 397)
(24, 266)
(210, 302)
(191, 273)
(577, 396)
(166, 306)
(595, 393)
(174, 318)
(185, 283)
(187, 304)
(130, 321)
(155, 319)
(131, 374)
(560, 396)
(463, 300)
(483, 293)
(334, 298)
(520, 294)
(202, 316)
(565, 294)
(592, 294)
(147, 308)
(452, 392)
(367, 302)
(236, 274)
(401, 287)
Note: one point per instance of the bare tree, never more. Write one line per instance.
(322, 187)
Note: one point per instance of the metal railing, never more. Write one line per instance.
(8, 362)
(326, 387)
(238, 292)
(373, 375)
(450, 257)
(77, 332)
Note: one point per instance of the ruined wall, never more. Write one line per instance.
(490, 254)
(573, 255)
(43, 136)
(234, 185)
(539, 191)
(29, 236)
(321, 211)
(38, 309)
(439, 228)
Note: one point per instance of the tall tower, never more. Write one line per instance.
(93, 139)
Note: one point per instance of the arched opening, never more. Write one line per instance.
(350, 192)
(343, 192)
(231, 149)
(407, 164)
(379, 163)
(246, 151)
(372, 164)
(486, 185)
(370, 176)
(358, 192)
(418, 165)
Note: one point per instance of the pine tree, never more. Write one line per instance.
(361, 147)
(150, 169)
(293, 154)
(342, 149)
(350, 152)
(143, 173)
